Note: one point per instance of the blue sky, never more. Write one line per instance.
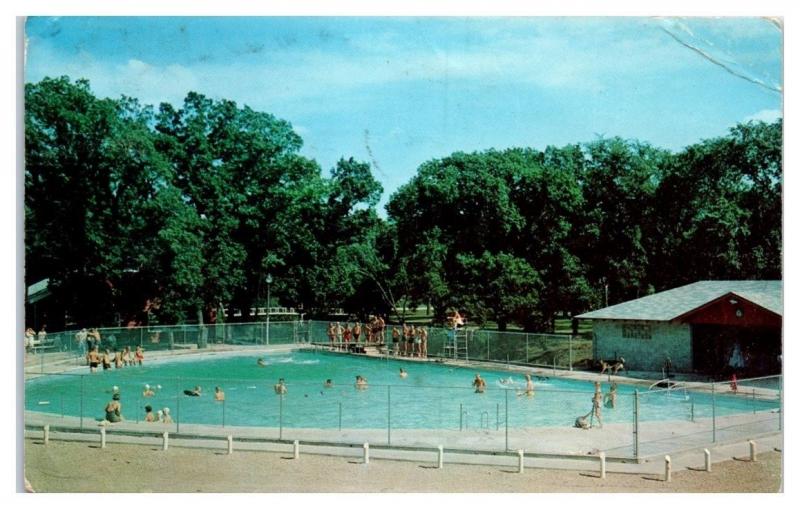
(399, 91)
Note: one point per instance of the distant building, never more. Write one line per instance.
(711, 327)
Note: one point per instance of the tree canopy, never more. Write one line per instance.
(137, 213)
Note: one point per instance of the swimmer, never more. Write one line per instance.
(361, 382)
(479, 383)
(528, 387)
(261, 362)
(196, 392)
(219, 395)
(328, 384)
(160, 416)
(507, 381)
(148, 392)
(403, 373)
(148, 414)
(280, 387)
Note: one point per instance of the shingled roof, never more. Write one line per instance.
(670, 304)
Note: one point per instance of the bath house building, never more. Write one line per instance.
(708, 327)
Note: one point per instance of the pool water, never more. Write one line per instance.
(433, 396)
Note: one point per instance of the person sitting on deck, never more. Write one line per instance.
(166, 419)
(148, 414)
(117, 359)
(139, 355)
(114, 409)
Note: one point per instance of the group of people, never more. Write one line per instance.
(410, 341)
(33, 338)
(373, 332)
(598, 401)
(119, 358)
(113, 409)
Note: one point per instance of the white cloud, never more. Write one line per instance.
(765, 116)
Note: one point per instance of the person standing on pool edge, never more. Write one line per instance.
(597, 404)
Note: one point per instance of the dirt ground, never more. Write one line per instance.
(74, 467)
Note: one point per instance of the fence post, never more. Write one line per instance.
(570, 352)
(460, 416)
(340, 416)
(141, 336)
(506, 419)
(667, 468)
(441, 457)
(527, 351)
(178, 409)
(488, 357)
(713, 413)
(46, 434)
(165, 441)
(82, 402)
(366, 453)
(102, 438)
(389, 413)
(752, 450)
(223, 413)
(230, 444)
(602, 457)
(707, 455)
(296, 449)
(497, 418)
(636, 424)
(280, 417)
(521, 455)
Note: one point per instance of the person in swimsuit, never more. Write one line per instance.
(479, 383)
(418, 341)
(356, 332)
(139, 355)
(611, 398)
(197, 391)
(219, 395)
(403, 373)
(597, 404)
(106, 360)
(395, 341)
(117, 359)
(331, 333)
(528, 387)
(167, 418)
(148, 414)
(280, 387)
(347, 334)
(94, 360)
(160, 416)
(114, 409)
(328, 384)
(261, 362)
(423, 337)
(361, 382)
(148, 392)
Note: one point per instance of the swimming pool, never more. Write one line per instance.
(433, 396)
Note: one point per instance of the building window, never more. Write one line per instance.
(636, 331)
